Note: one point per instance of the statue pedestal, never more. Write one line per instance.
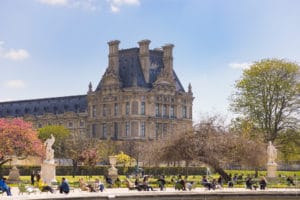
(271, 170)
(14, 175)
(48, 172)
(113, 171)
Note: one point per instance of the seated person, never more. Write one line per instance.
(99, 185)
(180, 183)
(263, 183)
(161, 183)
(189, 185)
(108, 181)
(290, 181)
(206, 183)
(64, 186)
(249, 183)
(215, 184)
(42, 186)
(139, 186)
(131, 185)
(4, 187)
(146, 185)
(118, 182)
(230, 183)
(85, 187)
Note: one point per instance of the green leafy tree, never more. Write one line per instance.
(60, 133)
(268, 95)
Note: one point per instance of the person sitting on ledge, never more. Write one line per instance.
(42, 186)
(263, 183)
(99, 185)
(4, 187)
(85, 187)
(249, 183)
(206, 183)
(290, 181)
(64, 187)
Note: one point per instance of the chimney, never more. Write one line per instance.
(145, 58)
(168, 58)
(113, 56)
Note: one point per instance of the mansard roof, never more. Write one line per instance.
(130, 70)
(56, 105)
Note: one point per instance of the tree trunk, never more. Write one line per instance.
(256, 172)
(214, 163)
(74, 162)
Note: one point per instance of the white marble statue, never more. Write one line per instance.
(272, 153)
(49, 151)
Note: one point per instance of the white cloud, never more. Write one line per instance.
(15, 84)
(13, 54)
(116, 4)
(244, 65)
(16, 54)
(84, 4)
(54, 2)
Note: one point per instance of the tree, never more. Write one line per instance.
(75, 145)
(60, 133)
(268, 95)
(18, 139)
(211, 143)
(90, 157)
(125, 160)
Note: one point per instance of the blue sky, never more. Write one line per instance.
(51, 48)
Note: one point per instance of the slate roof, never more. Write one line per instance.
(55, 105)
(130, 70)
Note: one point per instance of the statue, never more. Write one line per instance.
(48, 169)
(49, 151)
(272, 153)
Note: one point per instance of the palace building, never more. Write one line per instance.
(138, 97)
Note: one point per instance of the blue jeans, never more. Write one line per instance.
(7, 190)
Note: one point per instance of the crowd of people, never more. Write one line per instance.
(142, 184)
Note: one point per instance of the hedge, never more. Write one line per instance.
(101, 170)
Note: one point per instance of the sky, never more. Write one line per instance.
(52, 48)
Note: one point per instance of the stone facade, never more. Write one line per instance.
(138, 97)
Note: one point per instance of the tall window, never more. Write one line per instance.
(164, 110)
(116, 109)
(164, 131)
(157, 130)
(81, 123)
(93, 111)
(104, 110)
(127, 108)
(94, 130)
(143, 108)
(135, 108)
(184, 112)
(142, 129)
(172, 114)
(104, 130)
(127, 128)
(115, 130)
(157, 110)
